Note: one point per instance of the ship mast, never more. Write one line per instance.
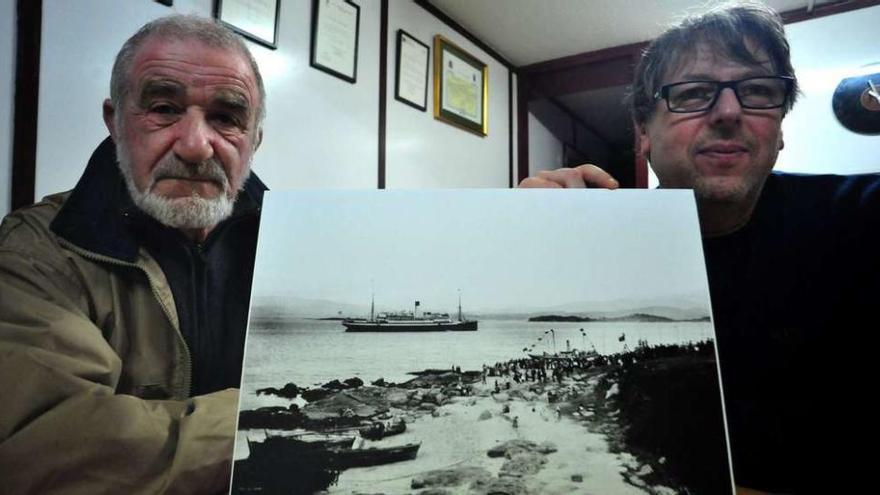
(372, 301)
(459, 305)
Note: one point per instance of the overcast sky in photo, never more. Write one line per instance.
(504, 249)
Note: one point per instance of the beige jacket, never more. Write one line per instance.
(94, 374)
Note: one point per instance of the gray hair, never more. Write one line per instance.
(726, 30)
(180, 27)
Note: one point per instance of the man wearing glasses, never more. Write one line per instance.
(791, 260)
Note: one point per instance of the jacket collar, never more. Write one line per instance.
(94, 216)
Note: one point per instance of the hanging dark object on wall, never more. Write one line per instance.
(856, 103)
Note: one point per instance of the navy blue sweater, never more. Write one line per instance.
(792, 298)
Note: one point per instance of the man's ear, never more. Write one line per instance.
(110, 117)
(259, 138)
(781, 143)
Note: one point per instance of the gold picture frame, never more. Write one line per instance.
(461, 88)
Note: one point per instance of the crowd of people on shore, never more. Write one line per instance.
(556, 367)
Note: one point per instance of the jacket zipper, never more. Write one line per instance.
(187, 365)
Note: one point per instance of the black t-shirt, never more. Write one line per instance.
(792, 294)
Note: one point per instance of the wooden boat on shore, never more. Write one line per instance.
(335, 452)
(343, 458)
(310, 470)
(282, 446)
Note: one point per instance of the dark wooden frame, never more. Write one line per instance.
(383, 91)
(29, 29)
(273, 43)
(481, 128)
(424, 106)
(314, 38)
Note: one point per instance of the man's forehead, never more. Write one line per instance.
(703, 59)
(194, 58)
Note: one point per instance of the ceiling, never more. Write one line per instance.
(530, 31)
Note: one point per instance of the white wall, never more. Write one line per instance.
(7, 98)
(320, 131)
(424, 152)
(824, 51)
(79, 42)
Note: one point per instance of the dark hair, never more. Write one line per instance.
(181, 27)
(726, 30)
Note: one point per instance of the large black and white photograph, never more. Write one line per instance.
(480, 342)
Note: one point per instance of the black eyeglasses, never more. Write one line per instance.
(761, 93)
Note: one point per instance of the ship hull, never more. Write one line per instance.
(399, 326)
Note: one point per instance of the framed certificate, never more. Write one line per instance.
(461, 89)
(335, 25)
(411, 75)
(254, 19)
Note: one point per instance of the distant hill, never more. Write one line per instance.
(680, 307)
(638, 317)
(675, 309)
(295, 307)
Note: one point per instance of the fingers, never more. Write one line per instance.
(594, 176)
(568, 178)
(539, 183)
(572, 178)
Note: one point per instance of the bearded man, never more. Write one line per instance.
(124, 301)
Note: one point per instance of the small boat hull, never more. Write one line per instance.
(340, 458)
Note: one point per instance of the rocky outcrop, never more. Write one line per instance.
(362, 402)
(450, 477)
(501, 486)
(477, 481)
(512, 447)
(289, 391)
(523, 464)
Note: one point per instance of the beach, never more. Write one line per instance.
(563, 432)
(454, 437)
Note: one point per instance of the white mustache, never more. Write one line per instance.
(172, 167)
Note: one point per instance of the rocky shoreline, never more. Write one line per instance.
(602, 426)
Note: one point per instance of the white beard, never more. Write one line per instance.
(193, 212)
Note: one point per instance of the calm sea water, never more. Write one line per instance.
(313, 352)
